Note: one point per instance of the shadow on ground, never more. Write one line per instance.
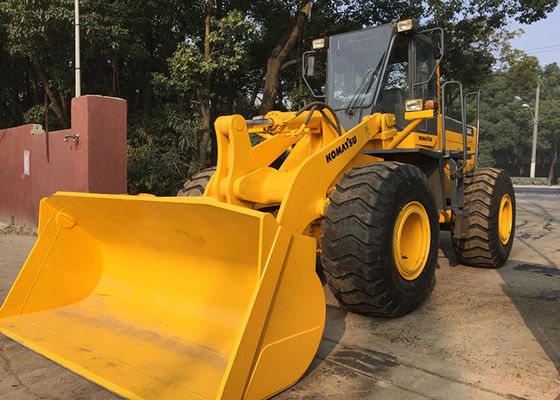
(540, 308)
(533, 288)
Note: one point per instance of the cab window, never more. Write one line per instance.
(425, 65)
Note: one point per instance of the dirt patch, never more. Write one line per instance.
(17, 230)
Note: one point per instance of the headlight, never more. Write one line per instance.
(414, 105)
(318, 44)
(405, 25)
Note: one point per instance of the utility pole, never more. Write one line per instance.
(77, 66)
(535, 129)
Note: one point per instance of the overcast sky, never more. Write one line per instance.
(541, 39)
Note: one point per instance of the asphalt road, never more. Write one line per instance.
(483, 334)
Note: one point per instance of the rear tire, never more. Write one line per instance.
(359, 241)
(197, 184)
(490, 209)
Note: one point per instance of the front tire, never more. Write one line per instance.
(197, 184)
(490, 219)
(380, 239)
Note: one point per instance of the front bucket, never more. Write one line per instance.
(168, 298)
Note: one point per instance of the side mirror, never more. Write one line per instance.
(437, 45)
(313, 72)
(309, 64)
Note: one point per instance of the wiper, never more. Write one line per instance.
(364, 88)
(365, 84)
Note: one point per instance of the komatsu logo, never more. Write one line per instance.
(425, 138)
(341, 149)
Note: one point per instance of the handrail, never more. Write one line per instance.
(426, 31)
(477, 93)
(463, 119)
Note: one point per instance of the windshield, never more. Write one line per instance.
(355, 62)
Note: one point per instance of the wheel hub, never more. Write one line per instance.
(505, 218)
(411, 240)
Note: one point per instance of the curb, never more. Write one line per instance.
(537, 189)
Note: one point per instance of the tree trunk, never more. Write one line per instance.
(554, 160)
(279, 54)
(64, 105)
(229, 94)
(57, 108)
(33, 82)
(213, 141)
(204, 108)
(203, 91)
(116, 75)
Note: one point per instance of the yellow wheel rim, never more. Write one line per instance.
(505, 218)
(411, 240)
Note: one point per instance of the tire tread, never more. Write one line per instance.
(481, 246)
(351, 249)
(197, 184)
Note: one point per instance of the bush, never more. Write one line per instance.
(36, 115)
(162, 153)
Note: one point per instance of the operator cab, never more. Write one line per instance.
(378, 70)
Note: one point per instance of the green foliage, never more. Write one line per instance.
(549, 113)
(505, 128)
(36, 115)
(189, 65)
(188, 131)
(162, 152)
(151, 52)
(31, 21)
(154, 170)
(523, 71)
(299, 97)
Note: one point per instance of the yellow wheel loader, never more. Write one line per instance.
(217, 296)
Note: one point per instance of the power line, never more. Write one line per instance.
(543, 47)
(543, 51)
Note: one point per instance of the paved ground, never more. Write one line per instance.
(483, 334)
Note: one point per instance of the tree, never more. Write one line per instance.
(549, 116)
(197, 61)
(126, 43)
(505, 127)
(41, 32)
(277, 59)
(14, 81)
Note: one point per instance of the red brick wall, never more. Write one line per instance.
(97, 163)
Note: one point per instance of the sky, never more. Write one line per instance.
(541, 38)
